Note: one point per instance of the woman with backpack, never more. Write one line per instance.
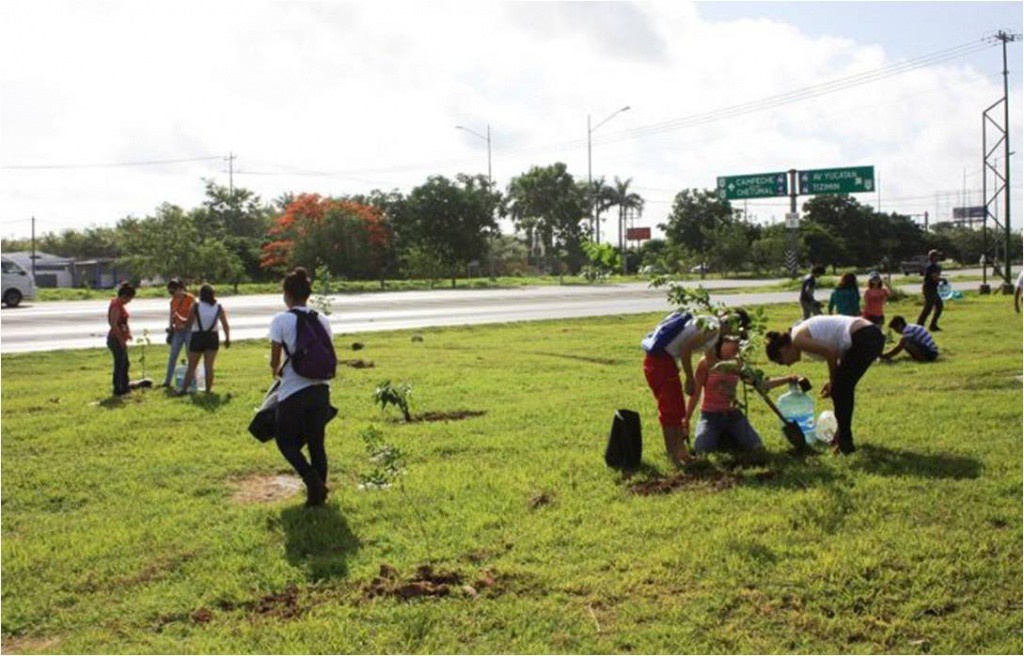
(303, 337)
(205, 340)
(669, 347)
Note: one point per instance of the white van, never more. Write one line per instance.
(17, 283)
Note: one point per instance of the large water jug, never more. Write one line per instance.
(826, 426)
(198, 383)
(796, 405)
(945, 290)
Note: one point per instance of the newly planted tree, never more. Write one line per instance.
(397, 395)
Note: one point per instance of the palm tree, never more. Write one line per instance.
(602, 196)
(626, 201)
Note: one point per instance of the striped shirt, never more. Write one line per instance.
(921, 337)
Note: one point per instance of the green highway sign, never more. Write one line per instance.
(852, 180)
(763, 185)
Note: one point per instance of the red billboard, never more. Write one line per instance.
(637, 234)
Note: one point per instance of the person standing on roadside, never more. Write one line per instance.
(205, 341)
(875, 297)
(930, 289)
(845, 298)
(1018, 288)
(119, 335)
(304, 404)
(810, 306)
(179, 324)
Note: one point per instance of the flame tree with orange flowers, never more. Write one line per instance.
(350, 238)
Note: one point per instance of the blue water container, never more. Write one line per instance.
(796, 405)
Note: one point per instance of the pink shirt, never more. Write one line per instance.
(874, 301)
(719, 390)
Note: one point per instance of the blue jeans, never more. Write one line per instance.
(713, 424)
(120, 366)
(179, 340)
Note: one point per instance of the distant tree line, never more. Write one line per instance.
(448, 228)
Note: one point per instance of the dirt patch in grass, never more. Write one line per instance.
(357, 364)
(266, 488)
(278, 605)
(453, 415)
(427, 582)
(25, 644)
(715, 481)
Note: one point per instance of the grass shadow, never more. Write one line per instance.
(319, 540)
(210, 401)
(884, 461)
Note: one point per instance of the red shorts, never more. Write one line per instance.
(662, 375)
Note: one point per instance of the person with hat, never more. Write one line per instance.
(875, 297)
(930, 289)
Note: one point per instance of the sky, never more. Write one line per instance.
(339, 98)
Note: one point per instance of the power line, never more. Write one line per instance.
(156, 162)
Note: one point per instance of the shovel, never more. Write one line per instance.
(790, 429)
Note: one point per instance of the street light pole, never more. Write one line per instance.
(590, 174)
(485, 138)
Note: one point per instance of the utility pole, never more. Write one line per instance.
(792, 255)
(231, 173)
(33, 248)
(1006, 37)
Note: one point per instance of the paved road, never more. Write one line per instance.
(82, 324)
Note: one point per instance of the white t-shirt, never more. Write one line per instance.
(208, 315)
(689, 330)
(282, 331)
(1020, 279)
(830, 329)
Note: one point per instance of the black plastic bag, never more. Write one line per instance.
(625, 443)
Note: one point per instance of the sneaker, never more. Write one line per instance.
(935, 329)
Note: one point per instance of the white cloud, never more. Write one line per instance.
(372, 88)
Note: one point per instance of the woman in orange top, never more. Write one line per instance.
(119, 336)
(179, 323)
(875, 297)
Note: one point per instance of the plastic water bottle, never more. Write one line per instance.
(827, 426)
(795, 405)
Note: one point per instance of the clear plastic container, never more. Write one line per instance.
(795, 405)
(827, 426)
(199, 383)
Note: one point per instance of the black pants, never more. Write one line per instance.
(301, 419)
(120, 352)
(931, 300)
(868, 343)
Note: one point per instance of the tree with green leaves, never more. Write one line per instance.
(550, 208)
(696, 213)
(453, 219)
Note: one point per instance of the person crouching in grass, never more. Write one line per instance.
(914, 339)
(668, 347)
(716, 378)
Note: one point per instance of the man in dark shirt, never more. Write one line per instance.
(930, 289)
(810, 306)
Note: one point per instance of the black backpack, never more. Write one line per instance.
(625, 443)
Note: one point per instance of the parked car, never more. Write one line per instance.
(915, 265)
(17, 284)
(701, 268)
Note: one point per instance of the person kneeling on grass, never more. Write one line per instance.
(719, 416)
(677, 337)
(914, 339)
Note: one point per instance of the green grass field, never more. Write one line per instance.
(121, 533)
